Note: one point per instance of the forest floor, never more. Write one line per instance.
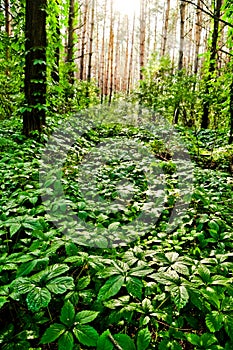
(79, 270)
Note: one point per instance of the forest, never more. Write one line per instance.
(116, 163)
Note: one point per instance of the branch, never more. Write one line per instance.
(208, 13)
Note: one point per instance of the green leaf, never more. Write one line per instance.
(22, 285)
(180, 295)
(67, 314)
(214, 321)
(193, 338)
(14, 228)
(3, 301)
(111, 287)
(83, 282)
(86, 316)
(139, 271)
(55, 270)
(60, 285)
(104, 342)
(38, 298)
(125, 342)
(26, 268)
(143, 339)
(134, 286)
(66, 341)
(52, 333)
(86, 335)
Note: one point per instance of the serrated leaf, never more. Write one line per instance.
(204, 272)
(86, 335)
(60, 285)
(134, 286)
(214, 321)
(86, 316)
(14, 228)
(125, 342)
(103, 342)
(143, 339)
(52, 333)
(38, 298)
(66, 341)
(111, 287)
(67, 314)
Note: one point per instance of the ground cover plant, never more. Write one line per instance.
(165, 290)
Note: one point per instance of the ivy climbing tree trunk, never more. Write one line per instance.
(70, 44)
(35, 66)
(212, 64)
(231, 113)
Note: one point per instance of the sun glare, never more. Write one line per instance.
(127, 7)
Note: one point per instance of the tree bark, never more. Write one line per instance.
(35, 66)
(70, 44)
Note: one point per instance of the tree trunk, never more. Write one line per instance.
(231, 113)
(83, 42)
(131, 58)
(165, 29)
(182, 23)
(35, 66)
(142, 38)
(91, 42)
(8, 30)
(70, 44)
(212, 65)
(198, 30)
(57, 34)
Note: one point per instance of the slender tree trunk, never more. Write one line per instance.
(103, 54)
(117, 56)
(91, 42)
(182, 25)
(198, 30)
(212, 64)
(70, 44)
(165, 29)
(83, 42)
(131, 58)
(126, 60)
(142, 38)
(35, 66)
(55, 71)
(7, 30)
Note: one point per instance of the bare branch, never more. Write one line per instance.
(209, 13)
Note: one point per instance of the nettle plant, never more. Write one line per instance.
(165, 290)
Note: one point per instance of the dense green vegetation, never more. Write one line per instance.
(95, 284)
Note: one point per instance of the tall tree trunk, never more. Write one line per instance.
(55, 71)
(182, 24)
(70, 44)
(103, 54)
(35, 66)
(131, 58)
(212, 64)
(142, 38)
(91, 42)
(198, 29)
(7, 30)
(83, 42)
(165, 29)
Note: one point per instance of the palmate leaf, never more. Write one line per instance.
(111, 287)
(104, 342)
(52, 333)
(214, 321)
(60, 285)
(66, 341)
(86, 335)
(143, 339)
(134, 286)
(87, 316)
(67, 314)
(38, 298)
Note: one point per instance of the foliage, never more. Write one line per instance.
(165, 290)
